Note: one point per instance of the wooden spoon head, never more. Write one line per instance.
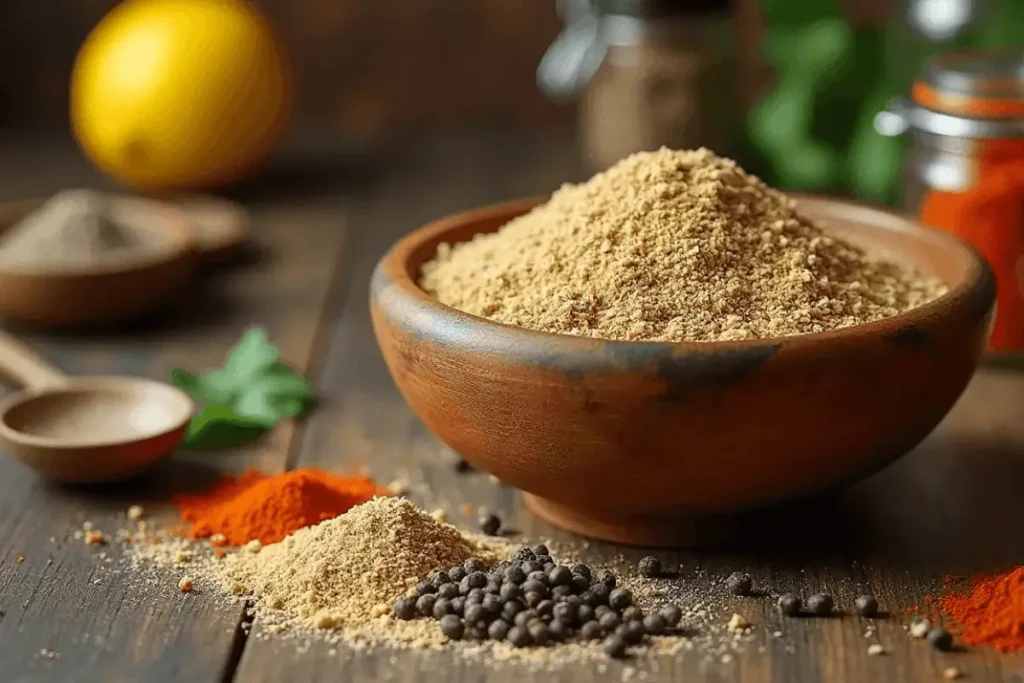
(95, 429)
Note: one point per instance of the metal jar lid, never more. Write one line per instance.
(971, 94)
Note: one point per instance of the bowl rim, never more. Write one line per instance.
(977, 290)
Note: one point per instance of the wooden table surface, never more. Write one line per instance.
(954, 505)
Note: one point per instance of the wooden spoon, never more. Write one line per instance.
(87, 429)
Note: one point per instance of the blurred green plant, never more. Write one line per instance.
(814, 132)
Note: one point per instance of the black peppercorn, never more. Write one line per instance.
(867, 606)
(561, 591)
(654, 624)
(541, 550)
(580, 583)
(475, 613)
(600, 591)
(615, 646)
(448, 591)
(566, 612)
(452, 627)
(498, 629)
(441, 608)
(585, 613)
(739, 583)
(632, 613)
(511, 608)
(473, 564)
(538, 631)
(620, 599)
(475, 595)
(533, 599)
(525, 617)
(458, 605)
(493, 604)
(940, 639)
(590, 630)
(581, 569)
(425, 588)
(509, 591)
(606, 576)
(820, 604)
(632, 632)
(789, 604)
(456, 574)
(439, 578)
(558, 630)
(671, 614)
(523, 554)
(405, 609)
(560, 576)
(609, 621)
(649, 567)
(477, 580)
(425, 605)
(534, 586)
(490, 524)
(531, 566)
(514, 574)
(518, 637)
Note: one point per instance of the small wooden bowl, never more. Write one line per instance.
(98, 294)
(641, 442)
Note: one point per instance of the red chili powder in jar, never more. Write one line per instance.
(255, 506)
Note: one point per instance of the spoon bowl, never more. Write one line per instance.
(93, 294)
(87, 429)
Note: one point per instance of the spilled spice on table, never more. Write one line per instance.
(255, 506)
(987, 610)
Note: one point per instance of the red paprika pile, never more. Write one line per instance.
(255, 506)
(992, 612)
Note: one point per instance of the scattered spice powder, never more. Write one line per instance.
(671, 246)
(350, 568)
(991, 613)
(257, 507)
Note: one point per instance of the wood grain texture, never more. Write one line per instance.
(953, 505)
(105, 624)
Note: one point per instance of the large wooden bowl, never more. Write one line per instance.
(639, 442)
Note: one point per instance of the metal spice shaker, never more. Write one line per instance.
(648, 73)
(965, 170)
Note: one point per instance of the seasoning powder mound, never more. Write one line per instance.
(257, 507)
(991, 613)
(75, 228)
(671, 246)
(350, 569)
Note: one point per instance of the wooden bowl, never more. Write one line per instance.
(641, 442)
(98, 294)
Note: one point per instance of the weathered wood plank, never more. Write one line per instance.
(106, 624)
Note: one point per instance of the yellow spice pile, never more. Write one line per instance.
(350, 569)
(671, 246)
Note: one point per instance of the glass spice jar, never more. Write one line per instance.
(965, 170)
(648, 73)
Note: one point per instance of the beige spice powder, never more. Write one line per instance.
(349, 570)
(671, 246)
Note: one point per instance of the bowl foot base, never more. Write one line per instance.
(665, 531)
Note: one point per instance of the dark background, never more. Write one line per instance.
(362, 66)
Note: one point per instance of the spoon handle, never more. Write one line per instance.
(21, 363)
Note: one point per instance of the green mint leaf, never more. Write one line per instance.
(252, 392)
(217, 427)
(252, 356)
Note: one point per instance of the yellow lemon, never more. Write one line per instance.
(179, 94)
